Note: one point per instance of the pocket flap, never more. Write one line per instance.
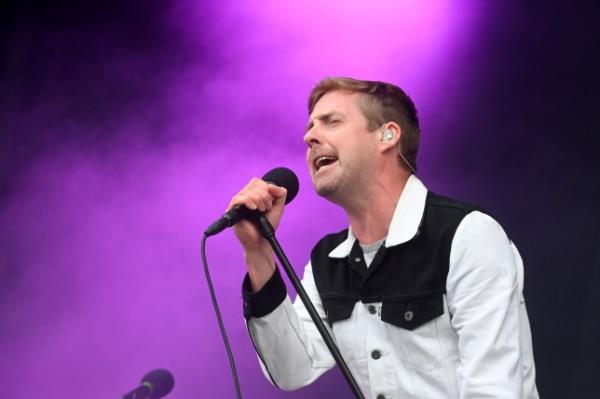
(338, 308)
(410, 313)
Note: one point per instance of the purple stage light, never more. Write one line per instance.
(102, 234)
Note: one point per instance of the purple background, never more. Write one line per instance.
(127, 126)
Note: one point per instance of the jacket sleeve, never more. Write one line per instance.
(291, 351)
(483, 300)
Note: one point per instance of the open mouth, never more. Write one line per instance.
(322, 161)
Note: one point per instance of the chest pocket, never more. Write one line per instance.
(410, 313)
(412, 325)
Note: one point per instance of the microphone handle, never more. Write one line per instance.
(141, 392)
(228, 219)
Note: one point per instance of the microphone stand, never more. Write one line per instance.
(268, 233)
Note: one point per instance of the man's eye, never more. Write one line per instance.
(334, 121)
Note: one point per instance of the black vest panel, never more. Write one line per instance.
(409, 279)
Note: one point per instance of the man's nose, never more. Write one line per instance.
(312, 137)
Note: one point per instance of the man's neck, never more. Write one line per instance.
(371, 215)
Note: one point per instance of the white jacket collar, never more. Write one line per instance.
(405, 222)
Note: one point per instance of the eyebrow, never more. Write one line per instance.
(323, 118)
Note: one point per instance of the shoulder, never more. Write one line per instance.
(481, 229)
(472, 230)
(472, 217)
(444, 216)
(480, 241)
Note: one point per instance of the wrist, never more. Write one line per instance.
(260, 265)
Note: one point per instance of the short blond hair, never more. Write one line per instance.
(381, 103)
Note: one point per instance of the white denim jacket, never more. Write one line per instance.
(479, 348)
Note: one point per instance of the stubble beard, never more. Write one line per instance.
(332, 188)
(325, 188)
(346, 188)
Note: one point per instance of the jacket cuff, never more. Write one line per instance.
(266, 300)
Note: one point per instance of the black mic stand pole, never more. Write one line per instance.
(269, 234)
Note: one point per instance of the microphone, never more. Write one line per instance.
(154, 385)
(282, 177)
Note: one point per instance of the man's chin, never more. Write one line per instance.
(327, 191)
(327, 186)
(323, 191)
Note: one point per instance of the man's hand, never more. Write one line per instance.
(258, 255)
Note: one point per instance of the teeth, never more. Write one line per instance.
(320, 161)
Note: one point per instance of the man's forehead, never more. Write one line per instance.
(334, 104)
(337, 101)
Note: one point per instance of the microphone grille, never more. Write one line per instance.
(160, 381)
(284, 177)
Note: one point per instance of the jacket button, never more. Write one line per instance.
(372, 309)
(375, 354)
(408, 315)
(381, 396)
(357, 259)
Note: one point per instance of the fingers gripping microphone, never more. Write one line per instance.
(282, 177)
(155, 385)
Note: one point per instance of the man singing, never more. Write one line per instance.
(423, 294)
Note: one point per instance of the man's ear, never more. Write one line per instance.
(390, 136)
